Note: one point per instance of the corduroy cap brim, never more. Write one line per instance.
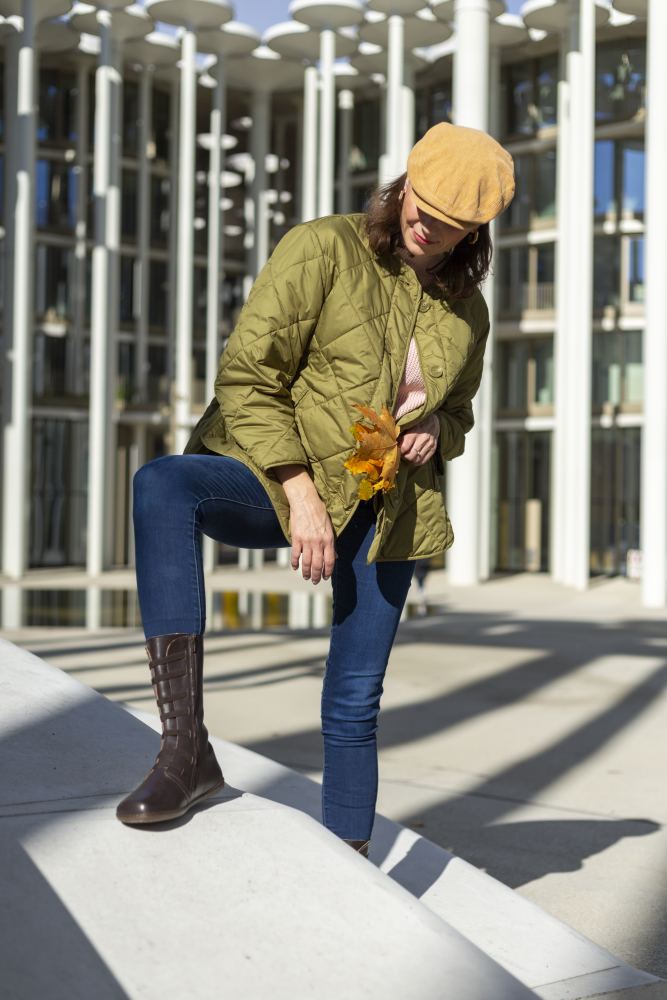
(460, 175)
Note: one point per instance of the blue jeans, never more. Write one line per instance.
(177, 498)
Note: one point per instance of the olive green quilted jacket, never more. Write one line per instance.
(326, 325)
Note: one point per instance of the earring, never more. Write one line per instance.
(472, 239)
(401, 194)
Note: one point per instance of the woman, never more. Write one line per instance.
(381, 309)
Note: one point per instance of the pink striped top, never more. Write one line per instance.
(411, 391)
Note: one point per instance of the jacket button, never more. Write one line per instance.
(436, 371)
(424, 306)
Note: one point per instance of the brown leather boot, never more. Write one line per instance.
(185, 769)
(361, 846)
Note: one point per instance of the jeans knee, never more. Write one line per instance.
(152, 482)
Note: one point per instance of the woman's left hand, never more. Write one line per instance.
(419, 444)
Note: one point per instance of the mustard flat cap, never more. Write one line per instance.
(460, 175)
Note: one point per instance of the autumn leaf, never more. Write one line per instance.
(377, 454)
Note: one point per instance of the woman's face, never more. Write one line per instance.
(423, 234)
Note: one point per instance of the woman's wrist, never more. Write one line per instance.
(296, 481)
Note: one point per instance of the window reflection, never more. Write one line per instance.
(620, 69)
(619, 178)
(56, 188)
(158, 296)
(525, 376)
(618, 373)
(530, 95)
(57, 106)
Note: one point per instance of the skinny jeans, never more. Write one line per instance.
(179, 498)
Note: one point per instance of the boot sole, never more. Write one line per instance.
(144, 819)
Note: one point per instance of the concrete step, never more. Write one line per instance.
(246, 897)
(250, 891)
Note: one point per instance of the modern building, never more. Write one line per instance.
(147, 171)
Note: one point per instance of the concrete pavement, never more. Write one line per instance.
(522, 727)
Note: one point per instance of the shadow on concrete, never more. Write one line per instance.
(43, 950)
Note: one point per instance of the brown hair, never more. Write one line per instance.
(461, 272)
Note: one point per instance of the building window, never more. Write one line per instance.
(54, 283)
(129, 205)
(158, 296)
(526, 280)
(365, 152)
(130, 117)
(161, 133)
(535, 197)
(160, 188)
(49, 369)
(59, 474)
(199, 299)
(635, 288)
(57, 106)
(615, 497)
(619, 178)
(525, 377)
(522, 462)
(433, 105)
(618, 371)
(127, 304)
(56, 190)
(125, 370)
(530, 96)
(620, 69)
(158, 379)
(606, 273)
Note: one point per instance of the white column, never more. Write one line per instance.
(185, 255)
(465, 562)
(214, 272)
(407, 112)
(394, 161)
(172, 245)
(104, 310)
(259, 148)
(76, 354)
(558, 526)
(142, 292)
(486, 408)
(346, 109)
(309, 145)
(214, 268)
(17, 443)
(654, 434)
(327, 121)
(573, 405)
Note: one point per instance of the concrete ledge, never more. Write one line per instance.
(245, 897)
(249, 893)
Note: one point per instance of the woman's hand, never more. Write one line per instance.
(419, 444)
(310, 525)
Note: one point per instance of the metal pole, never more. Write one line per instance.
(309, 147)
(185, 259)
(327, 121)
(16, 505)
(464, 475)
(394, 127)
(407, 112)
(654, 433)
(346, 109)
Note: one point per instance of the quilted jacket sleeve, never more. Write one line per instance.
(456, 415)
(266, 348)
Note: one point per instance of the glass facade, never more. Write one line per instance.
(525, 290)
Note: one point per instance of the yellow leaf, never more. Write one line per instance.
(377, 455)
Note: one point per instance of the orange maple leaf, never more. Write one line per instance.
(377, 454)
